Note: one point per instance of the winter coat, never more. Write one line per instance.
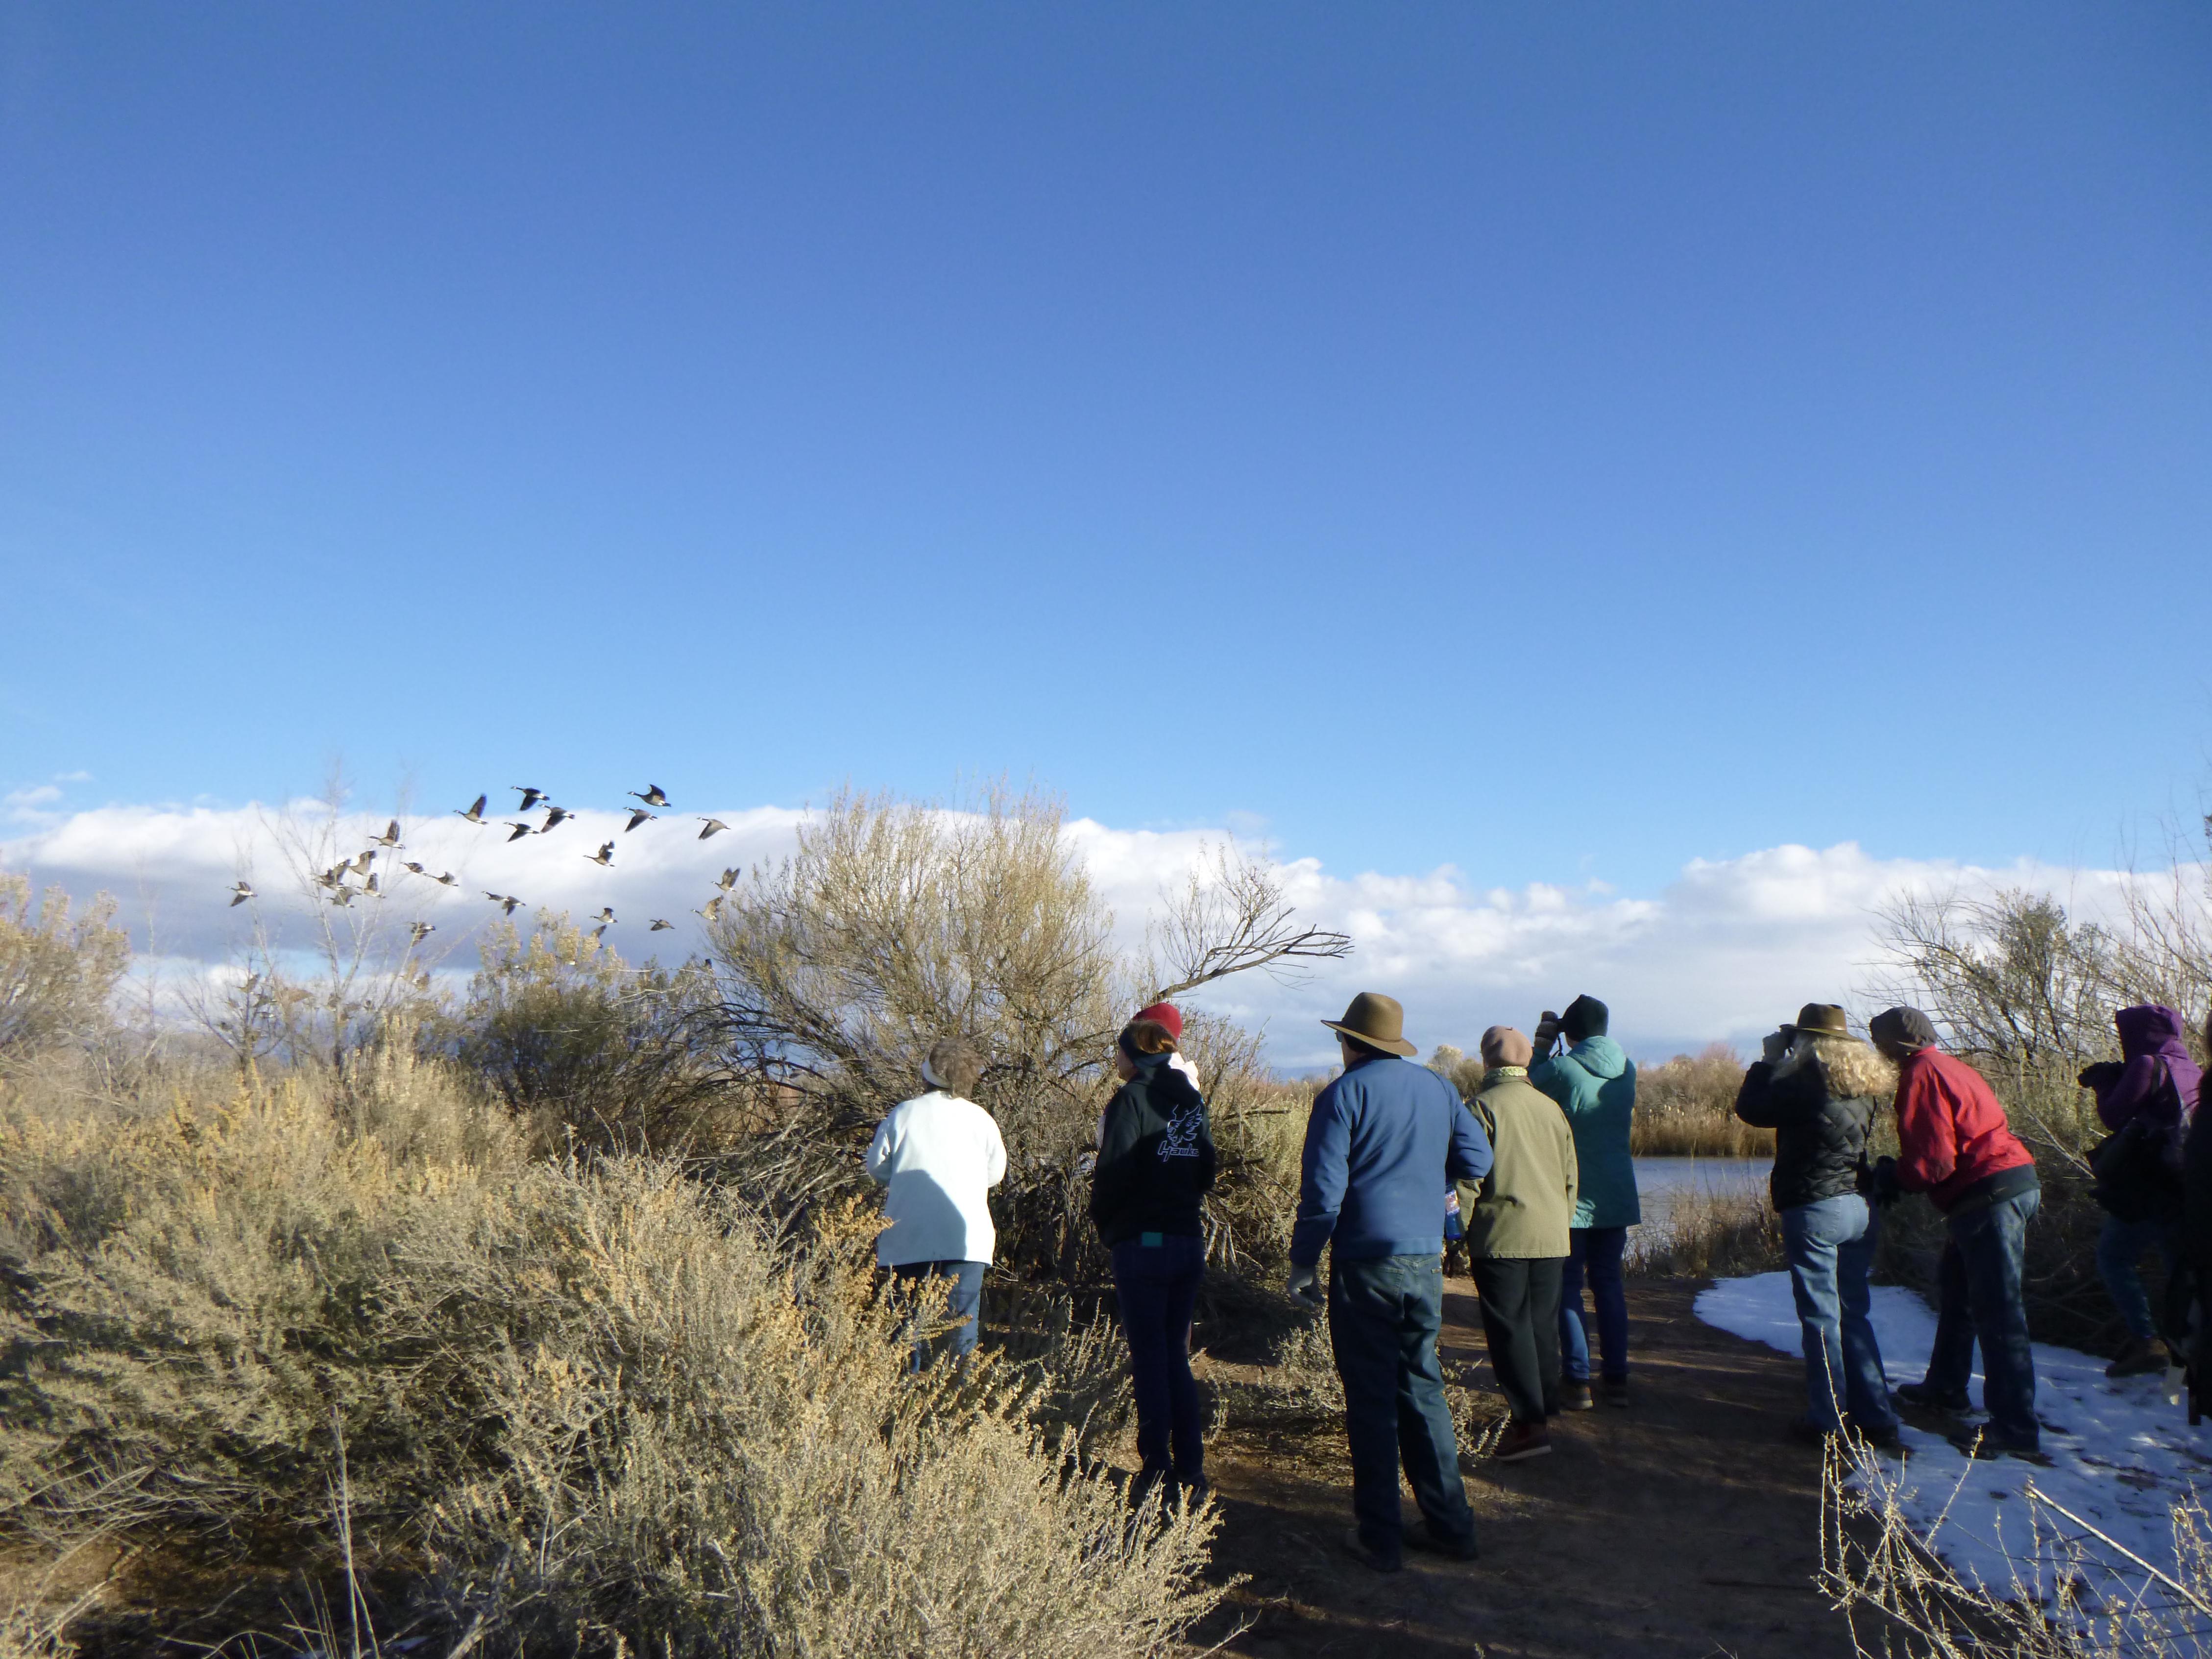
(1155, 1157)
(1383, 1141)
(1522, 1206)
(1951, 1131)
(1175, 1062)
(2154, 1079)
(1819, 1109)
(940, 1156)
(1595, 1083)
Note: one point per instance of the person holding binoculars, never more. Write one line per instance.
(1818, 1087)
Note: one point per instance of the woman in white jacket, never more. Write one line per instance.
(939, 1154)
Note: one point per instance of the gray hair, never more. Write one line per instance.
(952, 1066)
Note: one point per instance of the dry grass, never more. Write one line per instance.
(1686, 1108)
(1709, 1234)
(2080, 1597)
(600, 1405)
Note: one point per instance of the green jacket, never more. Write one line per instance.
(1595, 1083)
(1522, 1207)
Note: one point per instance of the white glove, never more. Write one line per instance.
(1304, 1282)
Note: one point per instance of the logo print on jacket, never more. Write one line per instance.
(1180, 1138)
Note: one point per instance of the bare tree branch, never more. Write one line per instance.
(1230, 917)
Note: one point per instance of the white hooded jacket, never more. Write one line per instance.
(939, 1156)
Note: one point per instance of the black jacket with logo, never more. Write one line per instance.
(1156, 1158)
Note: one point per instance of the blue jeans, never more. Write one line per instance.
(1383, 1316)
(1978, 1282)
(1594, 1252)
(2120, 1248)
(1831, 1245)
(1156, 1285)
(964, 1302)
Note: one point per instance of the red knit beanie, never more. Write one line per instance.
(1163, 1013)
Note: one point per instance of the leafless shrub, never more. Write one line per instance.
(56, 975)
(31, 1629)
(895, 923)
(2026, 994)
(332, 956)
(2073, 1592)
(1230, 917)
(1297, 1387)
(590, 1051)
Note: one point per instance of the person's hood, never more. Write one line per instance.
(1601, 1057)
(2150, 1029)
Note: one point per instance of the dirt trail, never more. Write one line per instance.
(1685, 1525)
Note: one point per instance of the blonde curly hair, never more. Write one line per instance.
(1854, 1068)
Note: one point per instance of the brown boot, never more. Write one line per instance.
(2138, 1358)
(1523, 1441)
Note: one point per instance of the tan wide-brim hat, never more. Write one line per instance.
(1377, 1021)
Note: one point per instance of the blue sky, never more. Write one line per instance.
(1562, 442)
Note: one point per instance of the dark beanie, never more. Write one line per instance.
(1586, 1016)
(1902, 1028)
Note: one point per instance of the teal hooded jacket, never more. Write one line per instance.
(1595, 1083)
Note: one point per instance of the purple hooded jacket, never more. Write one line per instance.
(2151, 1050)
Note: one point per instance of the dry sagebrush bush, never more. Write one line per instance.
(608, 1405)
(56, 975)
(192, 1287)
(712, 1444)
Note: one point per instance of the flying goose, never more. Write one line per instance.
(475, 814)
(605, 857)
(651, 797)
(713, 825)
(240, 893)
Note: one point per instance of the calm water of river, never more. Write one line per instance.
(1660, 1182)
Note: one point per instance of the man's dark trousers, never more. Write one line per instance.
(1521, 1323)
(1977, 1282)
(1385, 1314)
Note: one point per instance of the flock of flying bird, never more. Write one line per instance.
(337, 880)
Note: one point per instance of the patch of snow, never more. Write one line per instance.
(2122, 1455)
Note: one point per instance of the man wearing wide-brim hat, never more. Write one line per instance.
(1384, 1143)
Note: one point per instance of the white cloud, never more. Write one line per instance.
(25, 803)
(1724, 950)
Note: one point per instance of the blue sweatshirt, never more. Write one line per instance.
(1383, 1141)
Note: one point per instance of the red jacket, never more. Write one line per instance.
(1951, 1132)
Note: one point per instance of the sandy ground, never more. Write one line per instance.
(1685, 1525)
